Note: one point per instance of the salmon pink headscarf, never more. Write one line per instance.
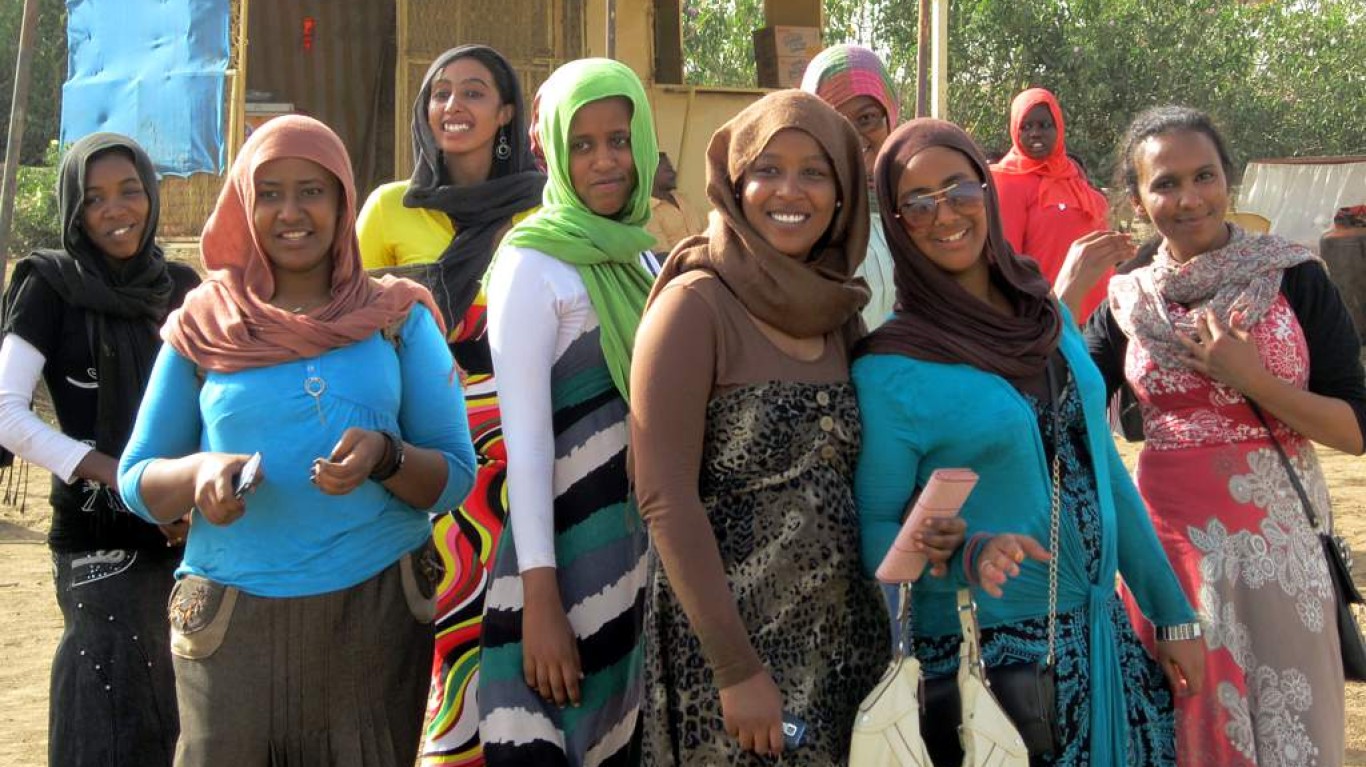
(228, 324)
(1062, 181)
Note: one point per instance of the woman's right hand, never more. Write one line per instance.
(940, 537)
(753, 714)
(213, 487)
(1000, 558)
(550, 652)
(1088, 260)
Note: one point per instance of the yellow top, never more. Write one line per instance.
(392, 234)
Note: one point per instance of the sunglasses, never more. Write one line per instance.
(964, 198)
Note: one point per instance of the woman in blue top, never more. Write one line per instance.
(960, 378)
(301, 620)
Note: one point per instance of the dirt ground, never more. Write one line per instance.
(32, 623)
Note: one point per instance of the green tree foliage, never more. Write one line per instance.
(1282, 77)
(36, 223)
(44, 114)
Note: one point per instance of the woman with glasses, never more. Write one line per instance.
(853, 80)
(1047, 204)
(981, 368)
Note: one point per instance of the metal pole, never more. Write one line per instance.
(922, 62)
(18, 109)
(611, 29)
(939, 91)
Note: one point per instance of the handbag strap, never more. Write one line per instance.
(970, 650)
(903, 621)
(1056, 394)
(1289, 469)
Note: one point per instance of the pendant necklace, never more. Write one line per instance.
(314, 386)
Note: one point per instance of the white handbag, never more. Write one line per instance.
(988, 736)
(887, 728)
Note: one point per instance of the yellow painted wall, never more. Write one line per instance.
(685, 118)
(685, 115)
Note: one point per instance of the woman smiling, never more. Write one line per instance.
(744, 433)
(301, 620)
(977, 324)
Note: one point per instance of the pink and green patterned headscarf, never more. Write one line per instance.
(843, 72)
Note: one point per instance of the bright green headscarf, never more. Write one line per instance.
(605, 251)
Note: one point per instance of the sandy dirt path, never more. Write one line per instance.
(32, 623)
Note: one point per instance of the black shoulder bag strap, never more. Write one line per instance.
(1289, 470)
(1339, 558)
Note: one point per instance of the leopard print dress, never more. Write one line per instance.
(776, 480)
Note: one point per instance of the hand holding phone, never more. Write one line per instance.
(247, 479)
(943, 496)
(794, 731)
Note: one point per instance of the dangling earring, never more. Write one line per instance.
(504, 149)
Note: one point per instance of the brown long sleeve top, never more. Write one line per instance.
(697, 342)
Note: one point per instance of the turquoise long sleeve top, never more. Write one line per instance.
(294, 540)
(919, 416)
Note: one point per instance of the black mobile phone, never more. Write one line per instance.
(247, 478)
(794, 730)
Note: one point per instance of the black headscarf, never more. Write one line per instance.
(936, 319)
(479, 211)
(124, 306)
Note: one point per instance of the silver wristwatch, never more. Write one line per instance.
(1178, 633)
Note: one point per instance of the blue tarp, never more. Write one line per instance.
(153, 70)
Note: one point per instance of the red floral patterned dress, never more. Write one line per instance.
(1243, 549)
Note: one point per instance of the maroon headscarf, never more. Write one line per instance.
(936, 319)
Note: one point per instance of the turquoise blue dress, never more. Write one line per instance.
(919, 416)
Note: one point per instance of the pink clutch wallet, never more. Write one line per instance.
(943, 496)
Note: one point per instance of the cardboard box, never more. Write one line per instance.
(782, 72)
(782, 53)
(775, 42)
(257, 114)
(794, 13)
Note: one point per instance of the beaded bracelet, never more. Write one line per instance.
(970, 551)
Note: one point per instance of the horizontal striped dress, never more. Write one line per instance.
(600, 547)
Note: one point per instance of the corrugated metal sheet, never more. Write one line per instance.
(333, 61)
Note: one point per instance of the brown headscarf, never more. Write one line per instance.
(228, 323)
(936, 319)
(801, 298)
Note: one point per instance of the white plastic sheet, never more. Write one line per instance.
(1299, 197)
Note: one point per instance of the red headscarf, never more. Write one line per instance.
(228, 323)
(1062, 181)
